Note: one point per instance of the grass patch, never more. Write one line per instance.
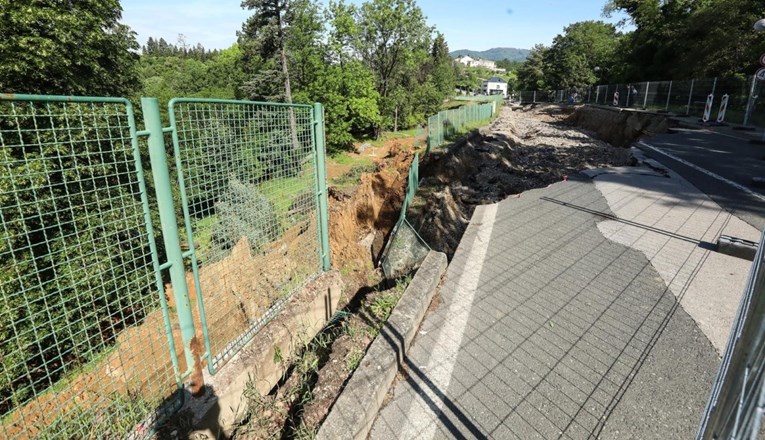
(352, 177)
(448, 105)
(283, 192)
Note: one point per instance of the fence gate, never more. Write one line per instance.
(252, 187)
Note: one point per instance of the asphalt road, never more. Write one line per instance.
(728, 155)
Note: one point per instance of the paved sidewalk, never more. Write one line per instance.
(549, 329)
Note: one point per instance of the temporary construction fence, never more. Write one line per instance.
(745, 103)
(106, 318)
(737, 402)
(449, 123)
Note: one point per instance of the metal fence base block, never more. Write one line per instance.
(254, 367)
(736, 247)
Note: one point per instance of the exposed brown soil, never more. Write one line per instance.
(371, 207)
(521, 150)
(619, 127)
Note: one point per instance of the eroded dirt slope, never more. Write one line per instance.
(521, 150)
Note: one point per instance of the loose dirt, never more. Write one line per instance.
(521, 150)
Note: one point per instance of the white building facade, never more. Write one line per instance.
(495, 86)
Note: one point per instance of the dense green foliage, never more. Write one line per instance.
(690, 38)
(374, 66)
(170, 73)
(576, 58)
(679, 39)
(75, 265)
(66, 48)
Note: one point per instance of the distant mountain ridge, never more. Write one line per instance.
(495, 54)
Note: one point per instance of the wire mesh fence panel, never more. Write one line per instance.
(698, 96)
(84, 346)
(680, 97)
(249, 189)
(449, 123)
(737, 90)
(737, 401)
(757, 111)
(653, 96)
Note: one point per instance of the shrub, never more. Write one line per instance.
(243, 211)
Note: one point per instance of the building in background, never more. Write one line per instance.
(469, 61)
(495, 86)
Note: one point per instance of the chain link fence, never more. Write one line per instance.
(98, 338)
(406, 249)
(685, 98)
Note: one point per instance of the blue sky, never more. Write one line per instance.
(475, 24)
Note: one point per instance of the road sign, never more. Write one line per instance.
(760, 74)
(762, 59)
(723, 109)
(708, 108)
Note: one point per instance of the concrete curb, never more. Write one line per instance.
(355, 410)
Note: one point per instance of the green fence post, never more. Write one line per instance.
(321, 186)
(170, 235)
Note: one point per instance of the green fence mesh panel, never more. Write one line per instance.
(248, 187)
(83, 341)
(451, 123)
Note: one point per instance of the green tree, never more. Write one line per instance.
(392, 38)
(66, 48)
(279, 36)
(572, 59)
(689, 38)
(532, 75)
(442, 66)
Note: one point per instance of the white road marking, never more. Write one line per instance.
(421, 421)
(705, 171)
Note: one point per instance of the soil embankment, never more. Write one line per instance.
(521, 150)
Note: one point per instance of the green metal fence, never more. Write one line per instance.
(449, 123)
(84, 346)
(98, 334)
(406, 249)
(251, 203)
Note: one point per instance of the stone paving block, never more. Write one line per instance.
(561, 319)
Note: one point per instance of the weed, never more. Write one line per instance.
(260, 414)
(383, 305)
(278, 358)
(305, 432)
(119, 416)
(353, 359)
(352, 330)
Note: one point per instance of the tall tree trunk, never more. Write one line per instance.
(287, 87)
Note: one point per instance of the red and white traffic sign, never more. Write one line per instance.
(760, 74)
(762, 59)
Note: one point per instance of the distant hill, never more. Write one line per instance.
(495, 54)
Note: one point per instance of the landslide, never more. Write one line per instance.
(521, 150)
